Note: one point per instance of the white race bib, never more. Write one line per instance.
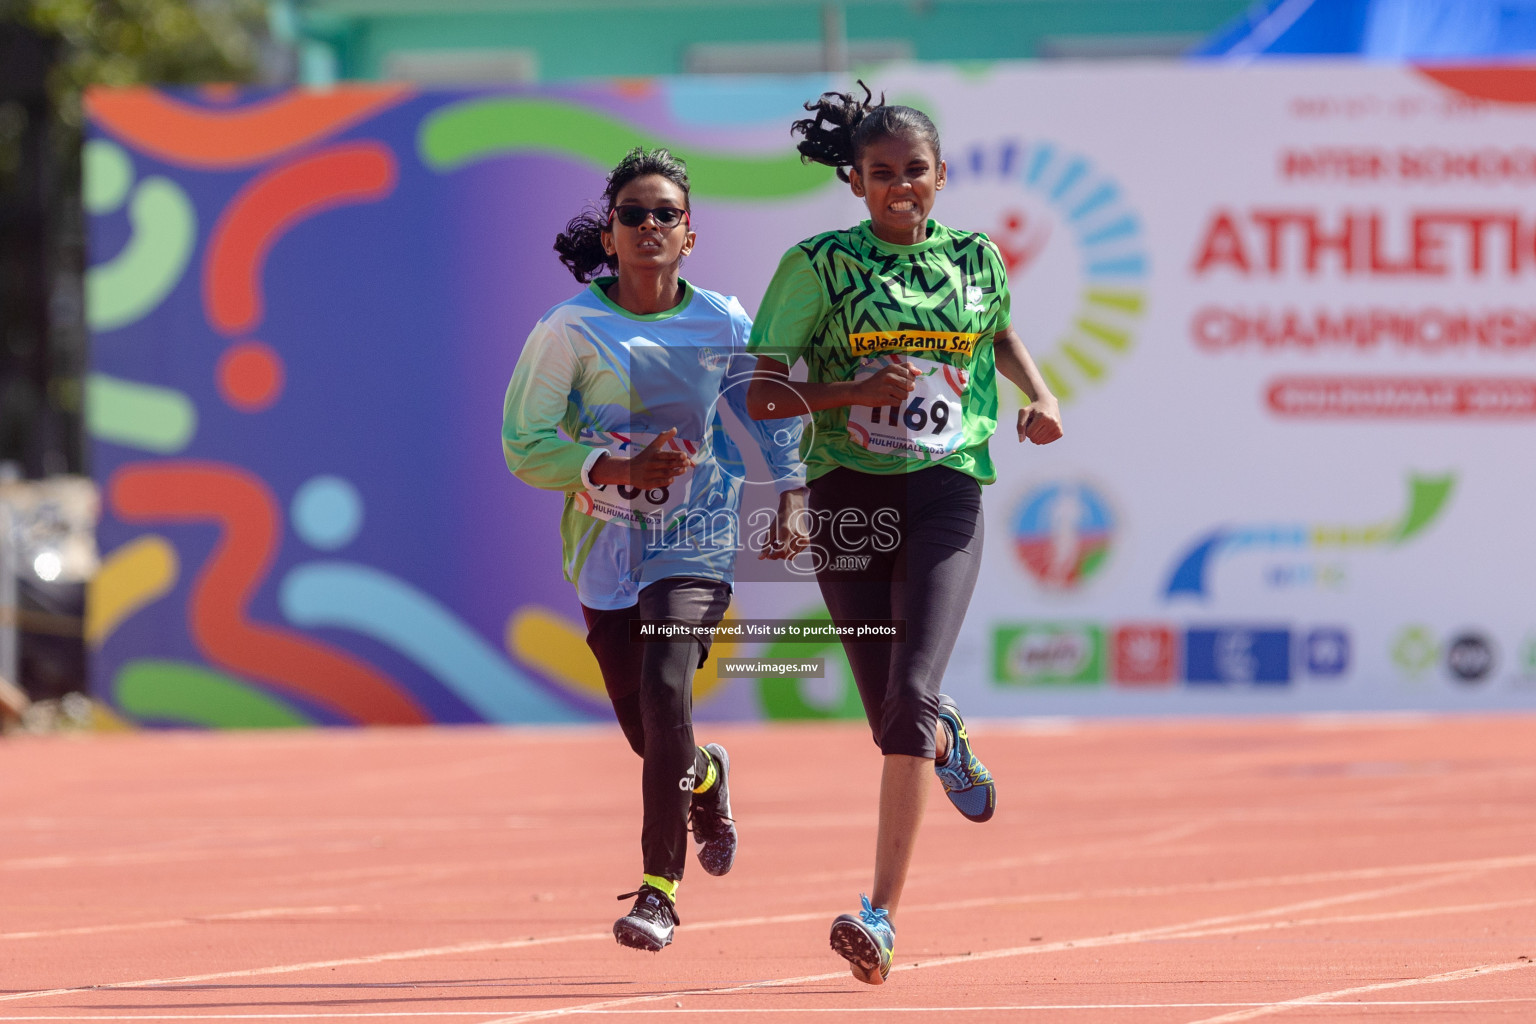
(636, 507)
(930, 424)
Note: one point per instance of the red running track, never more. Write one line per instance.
(1327, 869)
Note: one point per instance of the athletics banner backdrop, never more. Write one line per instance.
(1290, 312)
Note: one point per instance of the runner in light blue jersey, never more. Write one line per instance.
(634, 371)
(612, 381)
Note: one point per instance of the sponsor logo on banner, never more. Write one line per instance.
(1144, 654)
(1469, 658)
(1048, 654)
(1325, 652)
(1311, 575)
(1427, 499)
(1526, 663)
(1159, 655)
(1414, 651)
(1062, 534)
(1073, 247)
(1238, 654)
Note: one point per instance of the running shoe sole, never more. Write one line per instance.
(852, 941)
(635, 936)
(717, 855)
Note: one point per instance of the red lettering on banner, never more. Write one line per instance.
(1223, 244)
(1489, 164)
(1427, 330)
(1270, 222)
(1428, 247)
(1378, 262)
(1425, 243)
(1332, 162)
(1402, 397)
(1418, 164)
(1340, 242)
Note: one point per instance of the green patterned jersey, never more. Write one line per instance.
(845, 302)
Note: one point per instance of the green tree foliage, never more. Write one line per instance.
(43, 336)
(134, 42)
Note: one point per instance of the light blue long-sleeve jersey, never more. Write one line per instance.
(610, 380)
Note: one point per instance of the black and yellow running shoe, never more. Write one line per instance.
(649, 923)
(709, 817)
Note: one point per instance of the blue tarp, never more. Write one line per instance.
(1387, 29)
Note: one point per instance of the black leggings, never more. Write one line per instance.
(651, 686)
(925, 579)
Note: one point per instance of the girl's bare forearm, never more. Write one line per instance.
(1014, 362)
(772, 395)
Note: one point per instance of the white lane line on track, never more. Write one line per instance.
(1025, 1008)
(237, 915)
(314, 965)
(261, 825)
(1033, 860)
(183, 855)
(1155, 842)
(1193, 929)
(1166, 931)
(386, 874)
(1343, 993)
(1020, 1008)
(821, 915)
(1367, 894)
(1227, 885)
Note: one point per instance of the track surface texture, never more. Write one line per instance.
(1331, 869)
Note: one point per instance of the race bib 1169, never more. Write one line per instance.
(928, 425)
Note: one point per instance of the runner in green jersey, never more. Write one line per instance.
(934, 304)
(903, 325)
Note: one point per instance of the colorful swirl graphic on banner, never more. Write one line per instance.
(195, 198)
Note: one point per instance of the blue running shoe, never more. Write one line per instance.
(966, 780)
(866, 942)
(710, 821)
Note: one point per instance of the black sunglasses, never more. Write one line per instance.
(632, 216)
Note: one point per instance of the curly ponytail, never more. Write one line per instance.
(580, 245)
(833, 145)
(843, 126)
